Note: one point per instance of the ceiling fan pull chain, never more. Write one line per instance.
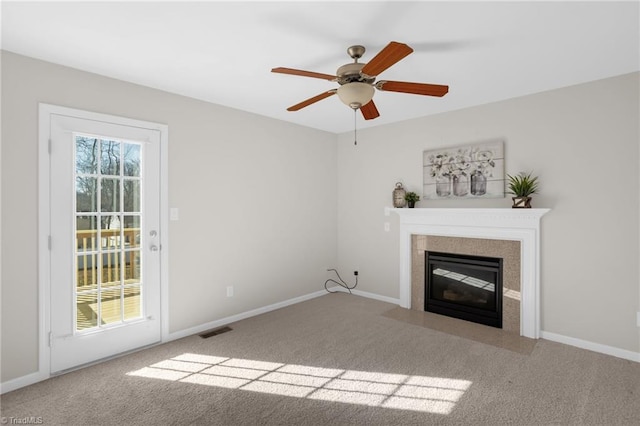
(355, 128)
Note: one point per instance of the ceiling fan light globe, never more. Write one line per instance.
(356, 94)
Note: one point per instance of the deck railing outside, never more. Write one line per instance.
(120, 269)
(111, 245)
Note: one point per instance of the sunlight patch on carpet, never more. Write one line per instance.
(397, 391)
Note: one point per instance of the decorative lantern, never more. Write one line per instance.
(398, 196)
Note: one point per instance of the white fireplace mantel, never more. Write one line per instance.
(496, 224)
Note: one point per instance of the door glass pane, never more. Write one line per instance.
(110, 158)
(110, 304)
(111, 269)
(87, 272)
(86, 233)
(110, 195)
(131, 232)
(131, 190)
(86, 194)
(131, 159)
(86, 155)
(87, 310)
(132, 268)
(132, 303)
(110, 238)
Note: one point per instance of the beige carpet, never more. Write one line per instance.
(339, 359)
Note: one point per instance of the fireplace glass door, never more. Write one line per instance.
(465, 287)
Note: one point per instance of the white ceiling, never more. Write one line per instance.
(222, 52)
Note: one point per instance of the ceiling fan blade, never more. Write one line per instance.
(313, 100)
(303, 73)
(414, 88)
(389, 55)
(369, 111)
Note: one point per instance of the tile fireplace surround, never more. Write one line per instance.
(521, 225)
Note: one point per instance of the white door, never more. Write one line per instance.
(105, 239)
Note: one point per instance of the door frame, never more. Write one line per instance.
(45, 111)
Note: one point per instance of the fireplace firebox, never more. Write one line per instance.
(465, 287)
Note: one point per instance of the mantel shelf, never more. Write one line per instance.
(505, 212)
(507, 218)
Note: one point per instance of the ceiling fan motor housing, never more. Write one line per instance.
(350, 73)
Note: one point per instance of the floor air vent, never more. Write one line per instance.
(215, 332)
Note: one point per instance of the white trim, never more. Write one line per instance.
(164, 233)
(590, 346)
(44, 231)
(366, 294)
(500, 224)
(376, 296)
(22, 381)
(244, 315)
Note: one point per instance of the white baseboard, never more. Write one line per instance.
(233, 318)
(367, 295)
(244, 315)
(590, 346)
(376, 297)
(20, 382)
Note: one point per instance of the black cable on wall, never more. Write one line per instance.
(342, 283)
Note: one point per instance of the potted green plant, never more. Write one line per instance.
(411, 198)
(522, 186)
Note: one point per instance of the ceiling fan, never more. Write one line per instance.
(357, 80)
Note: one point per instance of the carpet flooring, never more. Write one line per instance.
(341, 360)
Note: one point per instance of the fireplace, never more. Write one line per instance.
(464, 286)
(519, 225)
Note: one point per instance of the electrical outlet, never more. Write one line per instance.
(355, 273)
(230, 291)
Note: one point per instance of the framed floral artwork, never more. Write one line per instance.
(470, 171)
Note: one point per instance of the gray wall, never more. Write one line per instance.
(581, 140)
(257, 200)
(248, 187)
